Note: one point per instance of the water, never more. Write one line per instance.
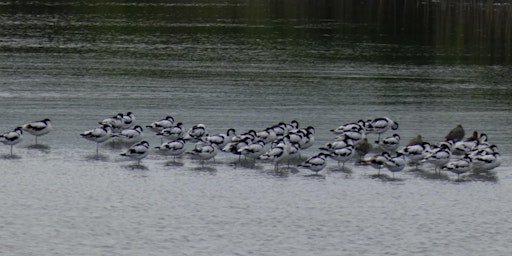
(221, 65)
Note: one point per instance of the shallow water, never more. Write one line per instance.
(82, 65)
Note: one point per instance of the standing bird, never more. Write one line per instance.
(116, 122)
(253, 150)
(459, 166)
(161, 124)
(128, 120)
(439, 156)
(362, 148)
(316, 163)
(12, 138)
(220, 139)
(195, 133)
(380, 125)
(137, 151)
(389, 144)
(276, 154)
(394, 163)
(98, 135)
(418, 140)
(172, 133)
(456, 134)
(131, 135)
(343, 155)
(173, 148)
(465, 146)
(415, 153)
(204, 151)
(38, 128)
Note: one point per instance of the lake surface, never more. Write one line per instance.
(249, 65)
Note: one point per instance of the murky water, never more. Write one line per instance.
(218, 64)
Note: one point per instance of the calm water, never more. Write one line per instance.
(242, 64)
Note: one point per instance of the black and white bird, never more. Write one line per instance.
(389, 144)
(253, 150)
(380, 125)
(267, 135)
(172, 133)
(459, 166)
(137, 151)
(276, 154)
(38, 128)
(131, 135)
(394, 163)
(116, 122)
(173, 148)
(12, 138)
(98, 135)
(415, 153)
(161, 124)
(195, 133)
(316, 163)
(439, 156)
(220, 139)
(128, 120)
(358, 126)
(342, 155)
(204, 151)
(466, 145)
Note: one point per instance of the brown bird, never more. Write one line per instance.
(456, 134)
(362, 147)
(415, 141)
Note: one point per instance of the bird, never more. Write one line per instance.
(276, 154)
(131, 135)
(464, 146)
(38, 128)
(12, 137)
(355, 134)
(172, 133)
(220, 139)
(380, 125)
(173, 148)
(418, 140)
(376, 161)
(459, 166)
(439, 156)
(195, 133)
(485, 161)
(128, 120)
(161, 124)
(236, 144)
(267, 135)
(342, 155)
(137, 151)
(359, 125)
(98, 135)
(416, 152)
(116, 122)
(204, 151)
(316, 163)
(394, 163)
(389, 144)
(253, 150)
(456, 134)
(308, 139)
(336, 144)
(362, 148)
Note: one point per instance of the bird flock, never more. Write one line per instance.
(285, 142)
(36, 128)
